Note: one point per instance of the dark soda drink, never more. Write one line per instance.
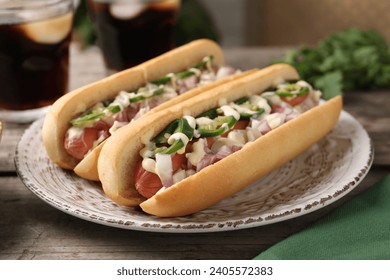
(131, 32)
(34, 61)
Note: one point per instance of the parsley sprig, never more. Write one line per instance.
(352, 59)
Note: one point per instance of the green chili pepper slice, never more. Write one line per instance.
(247, 116)
(162, 137)
(219, 126)
(141, 97)
(184, 74)
(170, 150)
(94, 115)
(178, 125)
(114, 108)
(244, 102)
(241, 100)
(211, 114)
(162, 81)
(204, 62)
(288, 91)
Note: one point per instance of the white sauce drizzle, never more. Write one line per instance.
(75, 132)
(149, 164)
(229, 111)
(179, 136)
(274, 120)
(198, 152)
(191, 121)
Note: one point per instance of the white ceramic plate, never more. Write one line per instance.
(321, 175)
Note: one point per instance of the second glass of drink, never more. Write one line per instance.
(132, 31)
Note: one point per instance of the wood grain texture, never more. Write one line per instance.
(31, 229)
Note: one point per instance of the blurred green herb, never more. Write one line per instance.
(352, 59)
(194, 22)
(84, 30)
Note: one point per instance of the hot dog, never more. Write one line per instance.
(78, 123)
(194, 154)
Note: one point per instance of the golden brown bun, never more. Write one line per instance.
(235, 172)
(120, 153)
(67, 107)
(87, 167)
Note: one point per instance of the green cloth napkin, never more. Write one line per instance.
(359, 229)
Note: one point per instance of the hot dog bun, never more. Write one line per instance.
(78, 101)
(275, 148)
(119, 155)
(87, 168)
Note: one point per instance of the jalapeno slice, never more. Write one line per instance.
(177, 145)
(211, 114)
(184, 74)
(247, 106)
(177, 126)
(162, 137)
(141, 97)
(292, 90)
(162, 81)
(247, 116)
(219, 126)
(94, 115)
(241, 100)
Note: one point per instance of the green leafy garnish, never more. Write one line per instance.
(352, 59)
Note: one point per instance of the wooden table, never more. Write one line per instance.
(31, 229)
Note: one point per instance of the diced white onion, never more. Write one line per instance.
(179, 175)
(238, 136)
(164, 169)
(276, 119)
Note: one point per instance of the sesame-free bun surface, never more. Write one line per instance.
(256, 159)
(74, 103)
(212, 184)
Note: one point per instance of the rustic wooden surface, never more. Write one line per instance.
(31, 229)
